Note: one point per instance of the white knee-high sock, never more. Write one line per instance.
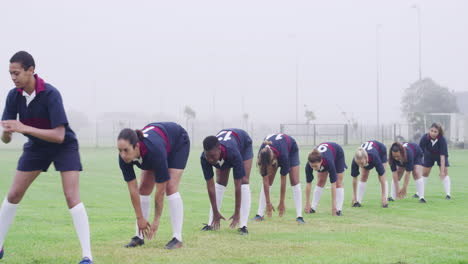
(245, 205)
(446, 182)
(297, 195)
(220, 189)
(145, 203)
(7, 215)
(393, 192)
(316, 197)
(420, 187)
(425, 181)
(361, 188)
(262, 202)
(80, 220)
(339, 198)
(425, 178)
(176, 209)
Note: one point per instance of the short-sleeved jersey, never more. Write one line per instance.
(232, 142)
(154, 151)
(413, 154)
(332, 154)
(281, 145)
(45, 111)
(376, 151)
(434, 147)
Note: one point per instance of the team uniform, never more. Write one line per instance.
(376, 157)
(287, 153)
(414, 156)
(236, 147)
(433, 149)
(165, 146)
(333, 162)
(44, 109)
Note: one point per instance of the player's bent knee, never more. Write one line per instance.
(15, 197)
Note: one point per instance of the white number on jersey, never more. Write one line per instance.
(368, 145)
(322, 148)
(224, 135)
(278, 136)
(145, 131)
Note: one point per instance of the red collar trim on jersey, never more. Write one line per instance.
(143, 149)
(39, 87)
(223, 152)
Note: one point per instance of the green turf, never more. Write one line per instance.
(407, 232)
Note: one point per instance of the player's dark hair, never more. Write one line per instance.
(23, 58)
(210, 143)
(264, 158)
(314, 156)
(397, 147)
(438, 126)
(132, 136)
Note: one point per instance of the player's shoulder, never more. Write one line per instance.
(13, 93)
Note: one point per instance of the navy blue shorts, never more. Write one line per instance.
(247, 151)
(418, 160)
(65, 158)
(340, 164)
(383, 154)
(178, 156)
(429, 161)
(293, 154)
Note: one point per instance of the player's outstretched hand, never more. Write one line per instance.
(235, 220)
(269, 209)
(217, 221)
(143, 227)
(153, 230)
(281, 209)
(402, 193)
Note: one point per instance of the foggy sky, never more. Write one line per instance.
(158, 56)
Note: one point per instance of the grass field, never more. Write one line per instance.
(407, 232)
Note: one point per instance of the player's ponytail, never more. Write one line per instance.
(360, 154)
(314, 156)
(438, 126)
(139, 134)
(264, 160)
(130, 135)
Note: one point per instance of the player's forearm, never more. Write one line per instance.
(383, 184)
(333, 193)
(159, 200)
(354, 187)
(135, 198)
(396, 182)
(238, 184)
(210, 186)
(407, 177)
(266, 189)
(6, 137)
(55, 135)
(308, 190)
(283, 188)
